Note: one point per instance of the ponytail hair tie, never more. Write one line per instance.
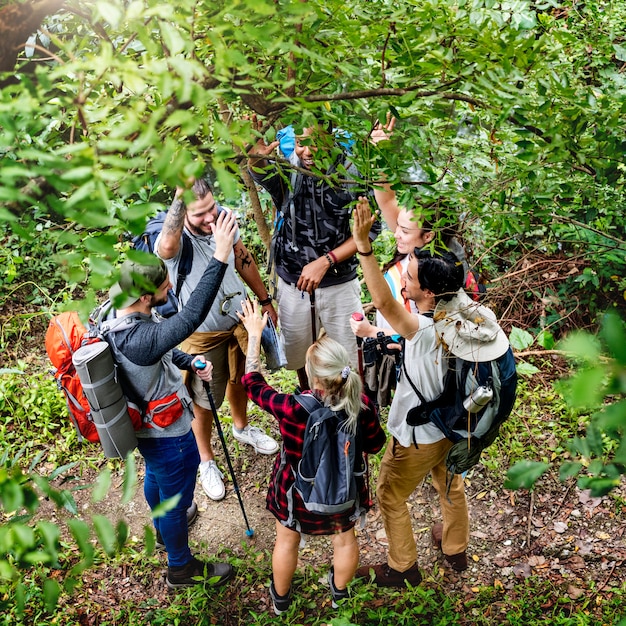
(345, 372)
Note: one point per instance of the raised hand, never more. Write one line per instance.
(224, 229)
(363, 220)
(383, 132)
(251, 318)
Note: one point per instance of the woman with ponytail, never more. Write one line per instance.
(338, 386)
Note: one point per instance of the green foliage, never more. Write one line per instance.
(599, 457)
(511, 112)
(32, 550)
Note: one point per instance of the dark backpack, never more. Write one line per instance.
(331, 458)
(476, 400)
(145, 242)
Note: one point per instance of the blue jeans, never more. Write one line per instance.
(171, 467)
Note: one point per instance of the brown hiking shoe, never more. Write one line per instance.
(458, 562)
(385, 576)
(436, 533)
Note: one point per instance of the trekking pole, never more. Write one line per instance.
(358, 317)
(201, 365)
(313, 333)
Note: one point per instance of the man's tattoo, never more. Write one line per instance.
(253, 358)
(175, 218)
(243, 259)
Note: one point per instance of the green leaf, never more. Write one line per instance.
(614, 335)
(585, 388)
(130, 479)
(524, 474)
(526, 369)
(101, 486)
(51, 593)
(569, 469)
(106, 534)
(520, 339)
(545, 339)
(582, 346)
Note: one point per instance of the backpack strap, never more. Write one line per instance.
(307, 401)
(185, 263)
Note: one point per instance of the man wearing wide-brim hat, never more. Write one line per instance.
(413, 452)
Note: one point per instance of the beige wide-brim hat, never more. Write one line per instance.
(469, 330)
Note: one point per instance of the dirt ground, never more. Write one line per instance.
(556, 532)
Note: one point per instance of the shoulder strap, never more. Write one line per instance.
(308, 402)
(185, 263)
(296, 182)
(415, 389)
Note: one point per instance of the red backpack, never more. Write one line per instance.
(65, 334)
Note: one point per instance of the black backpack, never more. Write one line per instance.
(476, 400)
(331, 458)
(145, 242)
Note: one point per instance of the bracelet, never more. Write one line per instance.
(368, 253)
(332, 256)
(331, 263)
(265, 302)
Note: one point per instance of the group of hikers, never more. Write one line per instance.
(326, 230)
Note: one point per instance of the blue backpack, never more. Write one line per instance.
(331, 458)
(145, 242)
(476, 400)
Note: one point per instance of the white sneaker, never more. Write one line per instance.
(256, 438)
(211, 480)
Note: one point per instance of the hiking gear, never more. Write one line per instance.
(156, 396)
(64, 336)
(196, 572)
(136, 280)
(337, 594)
(280, 603)
(458, 562)
(385, 576)
(436, 534)
(109, 410)
(86, 374)
(145, 243)
(255, 437)
(220, 432)
(211, 479)
(331, 457)
(469, 330)
(479, 387)
(313, 316)
(192, 516)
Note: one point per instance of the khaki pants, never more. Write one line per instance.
(401, 470)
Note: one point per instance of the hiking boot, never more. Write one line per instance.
(196, 572)
(337, 594)
(192, 516)
(256, 438)
(212, 481)
(385, 576)
(436, 533)
(458, 562)
(280, 603)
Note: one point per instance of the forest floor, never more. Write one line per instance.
(556, 532)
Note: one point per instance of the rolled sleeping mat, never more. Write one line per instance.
(96, 371)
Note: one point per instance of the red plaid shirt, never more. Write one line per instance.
(292, 419)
